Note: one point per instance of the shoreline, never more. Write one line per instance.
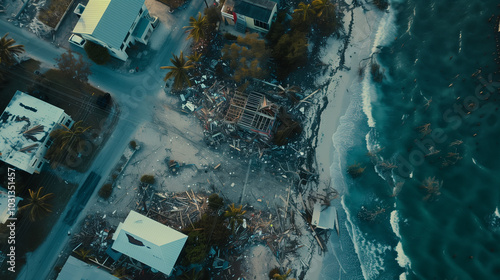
(342, 88)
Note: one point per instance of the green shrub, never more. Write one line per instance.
(97, 53)
(105, 191)
(148, 179)
(215, 202)
(133, 144)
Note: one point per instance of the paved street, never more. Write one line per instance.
(134, 92)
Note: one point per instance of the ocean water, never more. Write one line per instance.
(427, 204)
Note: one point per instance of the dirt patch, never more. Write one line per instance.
(52, 13)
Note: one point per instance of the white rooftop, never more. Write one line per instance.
(4, 205)
(75, 269)
(24, 126)
(149, 242)
(108, 20)
(324, 216)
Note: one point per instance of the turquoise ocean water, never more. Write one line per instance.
(427, 205)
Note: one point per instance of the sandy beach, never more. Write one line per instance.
(343, 87)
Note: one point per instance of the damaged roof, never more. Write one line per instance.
(24, 126)
(252, 112)
(149, 242)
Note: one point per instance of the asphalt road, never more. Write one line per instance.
(135, 93)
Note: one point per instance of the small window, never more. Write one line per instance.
(126, 37)
(40, 164)
(68, 123)
(121, 47)
(261, 24)
(140, 11)
(34, 162)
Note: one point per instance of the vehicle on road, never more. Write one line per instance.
(77, 40)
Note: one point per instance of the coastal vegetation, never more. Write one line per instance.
(197, 27)
(235, 215)
(9, 50)
(66, 141)
(248, 57)
(97, 53)
(276, 274)
(105, 191)
(179, 72)
(133, 144)
(73, 68)
(37, 204)
(148, 179)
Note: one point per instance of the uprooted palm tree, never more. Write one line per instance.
(278, 276)
(8, 50)
(37, 204)
(83, 254)
(235, 215)
(179, 71)
(197, 27)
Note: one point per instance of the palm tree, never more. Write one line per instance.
(8, 49)
(68, 136)
(83, 254)
(37, 204)
(235, 215)
(322, 6)
(197, 27)
(278, 276)
(179, 71)
(306, 10)
(195, 57)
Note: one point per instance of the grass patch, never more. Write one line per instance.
(52, 13)
(173, 4)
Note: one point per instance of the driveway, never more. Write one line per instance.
(135, 93)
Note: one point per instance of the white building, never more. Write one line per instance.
(115, 24)
(75, 269)
(325, 217)
(25, 126)
(149, 242)
(254, 14)
(8, 205)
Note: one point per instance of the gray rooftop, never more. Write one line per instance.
(75, 269)
(257, 9)
(108, 20)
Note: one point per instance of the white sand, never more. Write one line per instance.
(342, 86)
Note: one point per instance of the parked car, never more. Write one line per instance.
(77, 40)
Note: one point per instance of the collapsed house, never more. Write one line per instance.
(252, 112)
